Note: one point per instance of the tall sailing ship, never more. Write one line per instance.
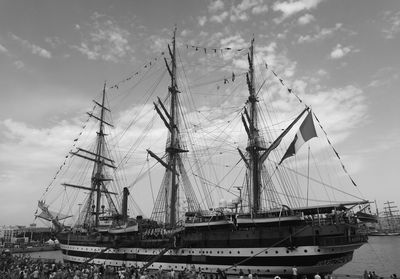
(388, 224)
(268, 226)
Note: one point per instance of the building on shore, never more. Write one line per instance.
(11, 236)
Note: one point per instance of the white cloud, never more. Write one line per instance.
(269, 48)
(202, 20)
(215, 6)
(392, 19)
(185, 32)
(292, 7)
(23, 141)
(238, 15)
(239, 12)
(341, 109)
(235, 41)
(54, 41)
(91, 54)
(259, 9)
(106, 40)
(19, 64)
(37, 50)
(385, 76)
(3, 49)
(158, 44)
(339, 51)
(322, 73)
(219, 18)
(247, 4)
(306, 19)
(320, 35)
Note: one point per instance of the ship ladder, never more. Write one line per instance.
(97, 254)
(155, 258)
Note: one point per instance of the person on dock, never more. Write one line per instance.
(35, 273)
(294, 272)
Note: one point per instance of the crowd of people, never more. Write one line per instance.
(373, 275)
(22, 266)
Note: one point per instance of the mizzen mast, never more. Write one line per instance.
(254, 145)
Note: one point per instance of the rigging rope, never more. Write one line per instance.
(68, 155)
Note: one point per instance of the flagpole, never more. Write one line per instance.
(308, 171)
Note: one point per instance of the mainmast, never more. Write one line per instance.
(166, 207)
(173, 149)
(253, 146)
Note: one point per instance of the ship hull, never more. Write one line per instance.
(267, 251)
(273, 261)
(384, 234)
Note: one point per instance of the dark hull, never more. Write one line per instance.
(267, 251)
(384, 234)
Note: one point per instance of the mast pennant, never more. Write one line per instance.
(305, 133)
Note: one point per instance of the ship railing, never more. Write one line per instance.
(341, 240)
(328, 220)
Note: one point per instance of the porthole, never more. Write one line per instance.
(287, 251)
(305, 251)
(230, 252)
(251, 252)
(268, 270)
(276, 252)
(238, 252)
(319, 250)
(266, 252)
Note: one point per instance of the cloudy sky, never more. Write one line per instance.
(56, 55)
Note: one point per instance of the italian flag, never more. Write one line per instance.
(305, 133)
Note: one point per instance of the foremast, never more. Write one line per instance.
(93, 206)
